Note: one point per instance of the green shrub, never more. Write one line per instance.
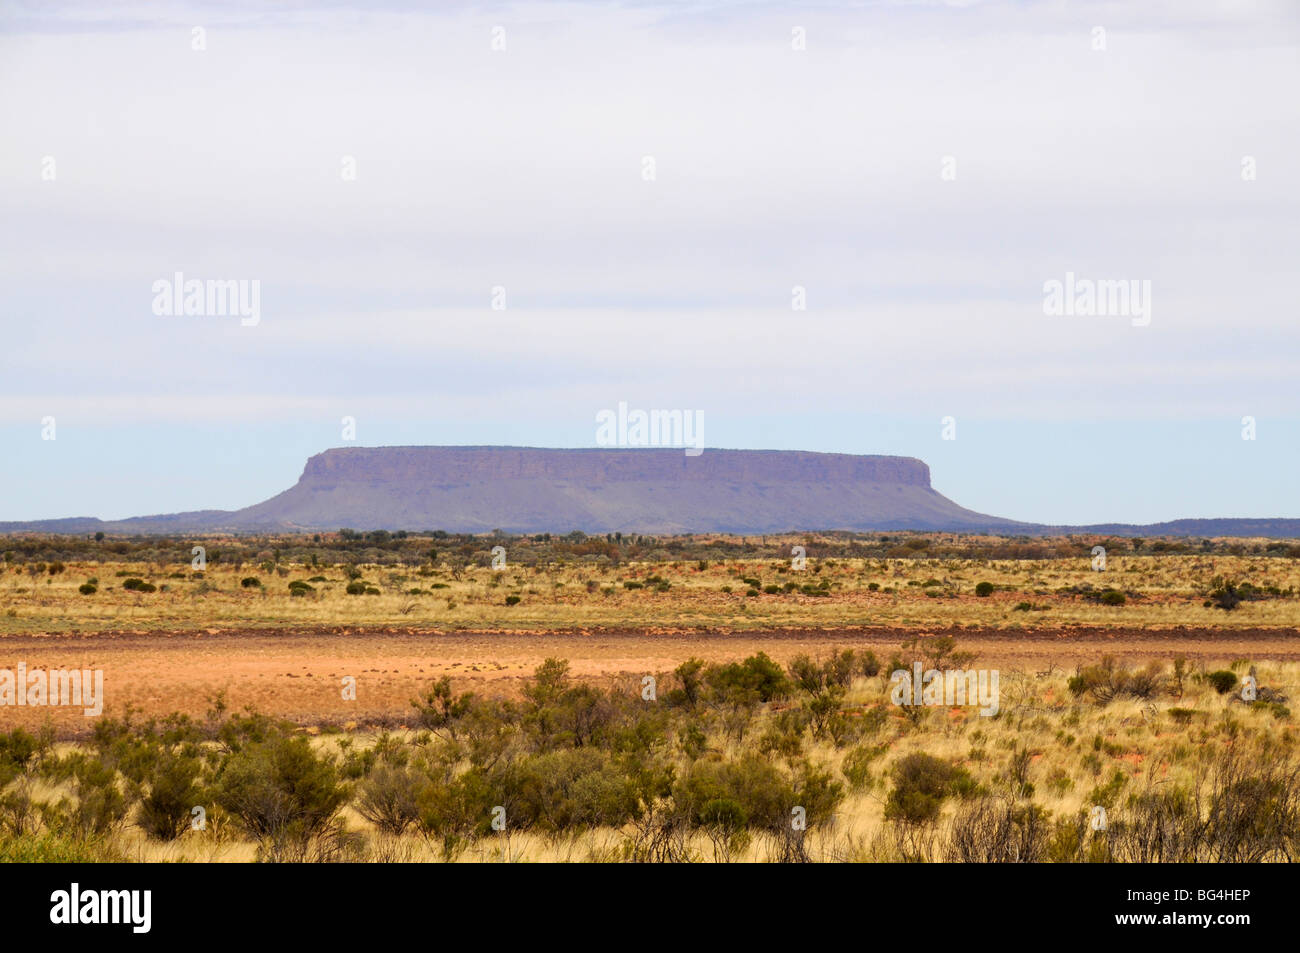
(1222, 681)
(921, 784)
(756, 679)
(984, 589)
(567, 790)
(751, 788)
(459, 807)
(1224, 594)
(282, 792)
(390, 797)
(723, 814)
(86, 589)
(173, 793)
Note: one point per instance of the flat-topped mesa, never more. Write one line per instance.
(628, 490)
(653, 491)
(444, 466)
(659, 490)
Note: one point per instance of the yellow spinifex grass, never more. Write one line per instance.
(1161, 591)
(1075, 748)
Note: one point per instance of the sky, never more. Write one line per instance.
(824, 227)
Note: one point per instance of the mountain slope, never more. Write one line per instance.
(518, 489)
(533, 490)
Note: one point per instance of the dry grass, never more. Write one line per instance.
(1162, 591)
(1037, 626)
(1074, 749)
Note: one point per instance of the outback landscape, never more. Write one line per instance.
(648, 433)
(379, 695)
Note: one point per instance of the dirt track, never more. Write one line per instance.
(298, 674)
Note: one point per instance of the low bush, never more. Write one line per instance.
(921, 784)
(1222, 681)
(1110, 680)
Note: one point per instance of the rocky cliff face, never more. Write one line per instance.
(521, 489)
(424, 466)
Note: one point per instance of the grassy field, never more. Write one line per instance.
(714, 768)
(1143, 712)
(733, 594)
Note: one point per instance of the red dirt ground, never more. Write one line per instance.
(297, 674)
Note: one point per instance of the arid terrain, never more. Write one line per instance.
(382, 697)
(297, 673)
(238, 627)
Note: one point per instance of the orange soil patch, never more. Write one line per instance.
(298, 674)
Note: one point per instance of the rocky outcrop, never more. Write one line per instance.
(523, 489)
(452, 465)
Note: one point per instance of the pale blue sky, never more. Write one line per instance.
(775, 168)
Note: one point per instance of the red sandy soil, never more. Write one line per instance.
(298, 674)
